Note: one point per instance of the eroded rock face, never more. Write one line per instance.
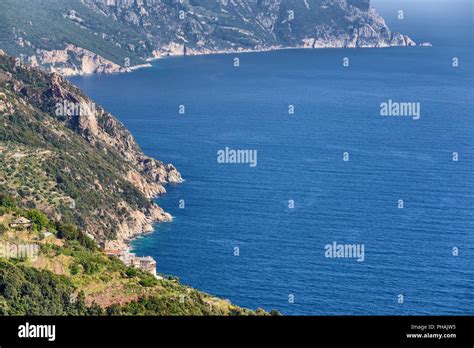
(139, 223)
(75, 61)
(101, 127)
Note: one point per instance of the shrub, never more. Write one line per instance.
(148, 281)
(131, 272)
(7, 201)
(74, 268)
(3, 228)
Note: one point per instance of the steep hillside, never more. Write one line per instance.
(102, 36)
(64, 155)
(52, 268)
(71, 177)
(72, 180)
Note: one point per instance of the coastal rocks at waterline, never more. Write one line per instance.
(139, 223)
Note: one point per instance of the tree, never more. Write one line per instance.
(38, 219)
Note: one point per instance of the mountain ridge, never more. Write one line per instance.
(107, 36)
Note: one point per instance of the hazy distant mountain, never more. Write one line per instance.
(87, 36)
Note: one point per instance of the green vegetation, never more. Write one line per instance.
(47, 164)
(27, 291)
(43, 25)
(38, 219)
(72, 233)
(28, 286)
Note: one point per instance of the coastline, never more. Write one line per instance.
(158, 215)
(192, 53)
(123, 248)
(269, 49)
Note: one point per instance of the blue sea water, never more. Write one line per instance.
(408, 251)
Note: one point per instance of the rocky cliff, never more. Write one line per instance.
(63, 154)
(199, 27)
(104, 36)
(74, 60)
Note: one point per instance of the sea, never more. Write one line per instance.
(336, 203)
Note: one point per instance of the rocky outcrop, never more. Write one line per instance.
(101, 127)
(75, 61)
(139, 223)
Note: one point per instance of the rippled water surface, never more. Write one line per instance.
(300, 157)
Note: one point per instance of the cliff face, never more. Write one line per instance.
(74, 61)
(207, 25)
(82, 164)
(104, 36)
